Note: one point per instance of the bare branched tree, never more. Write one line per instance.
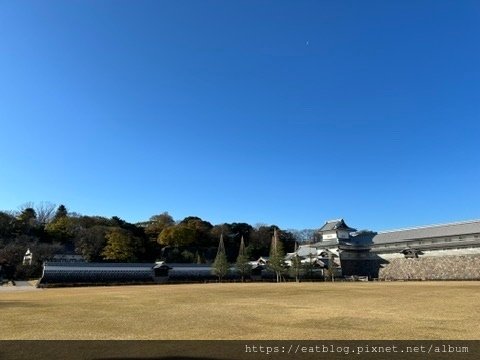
(45, 211)
(26, 205)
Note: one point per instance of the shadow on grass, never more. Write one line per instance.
(18, 303)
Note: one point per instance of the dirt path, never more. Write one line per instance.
(20, 286)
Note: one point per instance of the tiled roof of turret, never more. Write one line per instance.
(335, 224)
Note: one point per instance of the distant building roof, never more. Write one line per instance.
(314, 261)
(306, 250)
(264, 259)
(432, 231)
(290, 256)
(334, 225)
(96, 273)
(97, 265)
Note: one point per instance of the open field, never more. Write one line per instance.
(396, 310)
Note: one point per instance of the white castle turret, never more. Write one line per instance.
(27, 258)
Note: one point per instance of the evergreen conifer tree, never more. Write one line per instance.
(276, 263)
(243, 266)
(220, 265)
(331, 267)
(296, 265)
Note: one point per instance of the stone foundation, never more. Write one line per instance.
(465, 267)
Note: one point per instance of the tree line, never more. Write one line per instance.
(46, 230)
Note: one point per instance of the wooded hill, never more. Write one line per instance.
(47, 230)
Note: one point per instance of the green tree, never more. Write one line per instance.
(309, 266)
(260, 240)
(27, 221)
(331, 266)
(61, 229)
(241, 230)
(219, 230)
(122, 246)
(201, 228)
(188, 256)
(178, 235)
(276, 262)
(61, 212)
(296, 268)
(243, 266)
(220, 265)
(7, 226)
(90, 242)
(157, 224)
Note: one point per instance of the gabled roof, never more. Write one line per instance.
(290, 256)
(335, 225)
(432, 231)
(314, 261)
(306, 250)
(326, 253)
(86, 265)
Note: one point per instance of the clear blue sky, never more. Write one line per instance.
(278, 112)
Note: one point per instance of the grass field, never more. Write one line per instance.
(396, 310)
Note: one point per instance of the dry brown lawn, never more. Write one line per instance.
(396, 310)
